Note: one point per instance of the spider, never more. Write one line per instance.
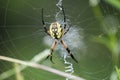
(56, 31)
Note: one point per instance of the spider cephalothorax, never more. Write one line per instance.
(56, 31)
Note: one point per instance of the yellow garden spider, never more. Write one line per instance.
(56, 31)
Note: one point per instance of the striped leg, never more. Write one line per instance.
(65, 21)
(64, 17)
(51, 51)
(44, 25)
(68, 50)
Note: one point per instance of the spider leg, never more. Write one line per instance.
(44, 25)
(51, 51)
(64, 17)
(65, 21)
(67, 30)
(68, 50)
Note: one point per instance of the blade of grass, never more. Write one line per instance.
(19, 75)
(115, 3)
(118, 72)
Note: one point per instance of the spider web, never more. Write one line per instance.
(21, 37)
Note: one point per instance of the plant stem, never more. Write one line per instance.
(39, 66)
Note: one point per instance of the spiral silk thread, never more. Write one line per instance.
(69, 66)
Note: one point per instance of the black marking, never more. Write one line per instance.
(71, 55)
(68, 50)
(44, 25)
(64, 14)
(55, 35)
(73, 58)
(43, 18)
(50, 58)
(51, 50)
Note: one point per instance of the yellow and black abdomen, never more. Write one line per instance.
(56, 31)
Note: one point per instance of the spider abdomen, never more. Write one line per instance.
(56, 30)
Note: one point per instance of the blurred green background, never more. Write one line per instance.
(21, 37)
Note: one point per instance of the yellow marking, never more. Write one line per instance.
(59, 33)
